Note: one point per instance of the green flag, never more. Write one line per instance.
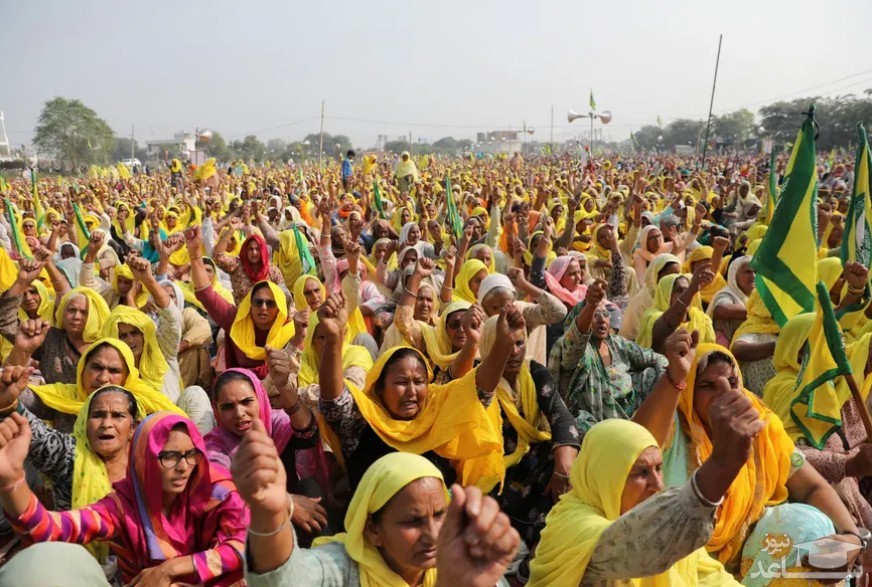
(785, 277)
(857, 240)
(455, 225)
(817, 407)
(376, 196)
(659, 121)
(592, 101)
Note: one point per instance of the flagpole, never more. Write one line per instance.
(552, 132)
(861, 405)
(712, 102)
(321, 141)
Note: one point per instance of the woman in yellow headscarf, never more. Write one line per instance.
(697, 256)
(69, 398)
(776, 471)
(76, 463)
(399, 410)
(375, 550)
(540, 439)
(309, 293)
(77, 323)
(468, 280)
(673, 309)
(138, 330)
(356, 360)
(584, 527)
(37, 302)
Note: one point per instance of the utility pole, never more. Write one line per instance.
(552, 132)
(712, 103)
(411, 149)
(132, 142)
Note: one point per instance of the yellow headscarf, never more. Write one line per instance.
(68, 398)
(280, 333)
(526, 398)
(8, 270)
(125, 272)
(439, 348)
(597, 252)
(176, 166)
(129, 222)
(46, 303)
(701, 254)
(528, 254)
(575, 524)
(451, 422)
(287, 257)
(300, 302)
(759, 320)
(760, 483)
(470, 254)
(383, 479)
(352, 356)
(153, 366)
(98, 311)
(90, 481)
(469, 269)
(697, 320)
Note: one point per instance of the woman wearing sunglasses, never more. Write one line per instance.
(260, 320)
(173, 519)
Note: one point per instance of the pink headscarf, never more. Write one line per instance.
(555, 272)
(209, 510)
(221, 443)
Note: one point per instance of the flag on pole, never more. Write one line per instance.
(592, 101)
(38, 209)
(455, 225)
(82, 232)
(18, 240)
(659, 121)
(633, 141)
(785, 277)
(376, 196)
(772, 187)
(817, 407)
(857, 240)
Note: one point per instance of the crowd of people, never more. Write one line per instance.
(404, 371)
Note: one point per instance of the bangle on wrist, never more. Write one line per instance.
(297, 405)
(856, 292)
(291, 507)
(682, 302)
(9, 409)
(13, 486)
(700, 496)
(680, 386)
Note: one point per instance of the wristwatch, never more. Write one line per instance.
(863, 534)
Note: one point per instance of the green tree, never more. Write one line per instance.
(250, 149)
(121, 150)
(73, 133)
(217, 147)
(735, 127)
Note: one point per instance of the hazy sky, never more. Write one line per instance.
(433, 68)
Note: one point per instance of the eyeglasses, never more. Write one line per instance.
(264, 303)
(171, 458)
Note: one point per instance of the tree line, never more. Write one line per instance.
(73, 134)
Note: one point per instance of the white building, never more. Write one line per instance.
(183, 143)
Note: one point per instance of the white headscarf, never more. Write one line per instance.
(731, 293)
(493, 281)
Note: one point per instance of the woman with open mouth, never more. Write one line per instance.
(399, 410)
(81, 466)
(240, 399)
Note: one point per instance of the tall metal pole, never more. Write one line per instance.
(552, 132)
(590, 142)
(132, 141)
(712, 102)
(410, 143)
(321, 142)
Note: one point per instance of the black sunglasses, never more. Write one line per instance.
(263, 302)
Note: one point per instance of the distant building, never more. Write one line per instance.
(499, 141)
(183, 143)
